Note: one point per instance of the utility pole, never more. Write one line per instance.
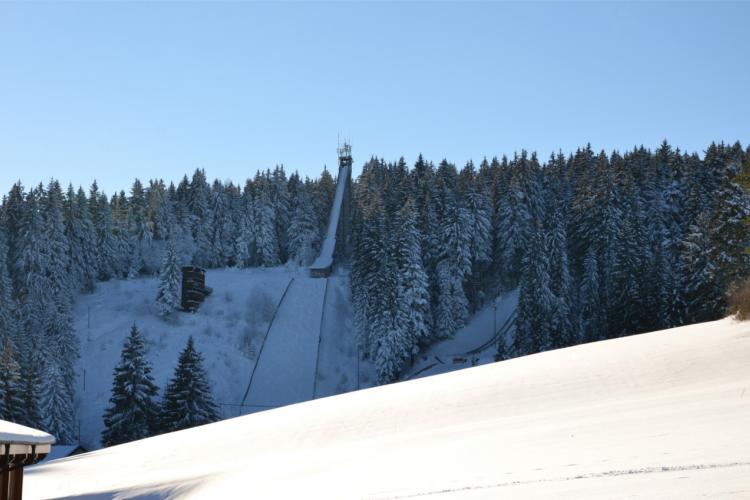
(494, 317)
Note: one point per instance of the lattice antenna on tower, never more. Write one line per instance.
(345, 154)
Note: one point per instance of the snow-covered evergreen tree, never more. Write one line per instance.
(198, 203)
(591, 321)
(61, 344)
(304, 231)
(703, 292)
(266, 239)
(11, 400)
(187, 399)
(561, 325)
(535, 300)
(82, 241)
(453, 266)
(133, 410)
(170, 279)
(413, 312)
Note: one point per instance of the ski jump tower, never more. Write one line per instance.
(335, 237)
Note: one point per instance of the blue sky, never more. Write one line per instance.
(117, 90)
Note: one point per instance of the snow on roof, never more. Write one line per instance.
(659, 415)
(15, 433)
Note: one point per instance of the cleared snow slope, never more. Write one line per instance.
(659, 415)
(286, 366)
(337, 355)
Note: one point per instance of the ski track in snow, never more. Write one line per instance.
(593, 475)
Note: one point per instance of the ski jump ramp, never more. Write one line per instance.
(323, 265)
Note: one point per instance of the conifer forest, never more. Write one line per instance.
(599, 245)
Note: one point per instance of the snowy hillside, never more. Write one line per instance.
(231, 329)
(659, 415)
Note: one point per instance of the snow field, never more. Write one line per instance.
(658, 415)
(228, 330)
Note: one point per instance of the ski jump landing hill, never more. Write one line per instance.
(308, 329)
(323, 265)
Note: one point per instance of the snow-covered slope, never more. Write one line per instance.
(659, 415)
(230, 331)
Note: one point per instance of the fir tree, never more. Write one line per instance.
(170, 276)
(84, 256)
(266, 239)
(11, 400)
(703, 293)
(187, 399)
(304, 234)
(133, 412)
(591, 322)
(535, 301)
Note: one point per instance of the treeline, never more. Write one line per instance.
(55, 244)
(600, 246)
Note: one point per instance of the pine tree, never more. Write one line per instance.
(84, 256)
(453, 266)
(281, 202)
(170, 276)
(8, 307)
(198, 204)
(139, 232)
(266, 239)
(133, 411)
(703, 292)
(109, 262)
(412, 286)
(592, 322)
(304, 233)
(187, 399)
(562, 331)
(245, 239)
(11, 401)
(535, 300)
(30, 386)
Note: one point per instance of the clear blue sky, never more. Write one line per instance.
(117, 90)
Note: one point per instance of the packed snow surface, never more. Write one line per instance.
(659, 415)
(15, 433)
(325, 259)
(285, 371)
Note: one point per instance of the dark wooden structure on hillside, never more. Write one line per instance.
(19, 446)
(194, 289)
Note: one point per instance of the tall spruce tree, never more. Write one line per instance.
(303, 234)
(133, 411)
(11, 400)
(187, 399)
(535, 300)
(170, 276)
